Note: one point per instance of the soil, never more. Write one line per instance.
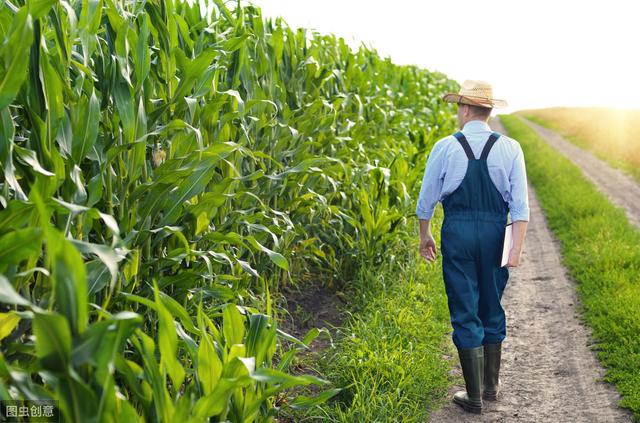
(621, 189)
(311, 305)
(549, 368)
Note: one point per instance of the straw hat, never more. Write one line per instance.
(475, 93)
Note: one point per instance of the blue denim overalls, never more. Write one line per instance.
(475, 215)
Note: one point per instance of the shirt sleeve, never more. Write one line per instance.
(431, 183)
(519, 204)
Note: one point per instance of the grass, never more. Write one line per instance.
(389, 355)
(601, 250)
(608, 133)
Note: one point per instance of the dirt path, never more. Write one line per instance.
(549, 373)
(621, 189)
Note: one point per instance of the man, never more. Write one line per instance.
(479, 177)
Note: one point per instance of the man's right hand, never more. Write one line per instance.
(514, 257)
(428, 248)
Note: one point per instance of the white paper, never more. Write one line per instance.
(508, 243)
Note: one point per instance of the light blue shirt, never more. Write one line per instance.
(447, 165)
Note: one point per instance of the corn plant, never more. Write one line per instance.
(165, 166)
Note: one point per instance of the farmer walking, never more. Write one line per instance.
(479, 177)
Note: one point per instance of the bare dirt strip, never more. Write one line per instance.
(621, 189)
(549, 372)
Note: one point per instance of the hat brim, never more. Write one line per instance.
(474, 101)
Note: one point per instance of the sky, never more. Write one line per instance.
(536, 54)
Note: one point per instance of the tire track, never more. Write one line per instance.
(621, 189)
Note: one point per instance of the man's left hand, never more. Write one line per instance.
(428, 248)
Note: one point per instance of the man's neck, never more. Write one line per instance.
(476, 124)
(477, 120)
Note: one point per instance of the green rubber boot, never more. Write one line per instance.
(492, 354)
(472, 363)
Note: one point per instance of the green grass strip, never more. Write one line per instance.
(601, 250)
(389, 355)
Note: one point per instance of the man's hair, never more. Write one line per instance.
(481, 112)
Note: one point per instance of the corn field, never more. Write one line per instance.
(166, 166)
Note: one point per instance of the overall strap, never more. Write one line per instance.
(487, 147)
(465, 145)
